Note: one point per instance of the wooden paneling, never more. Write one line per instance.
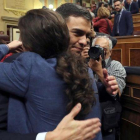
(136, 25)
(117, 55)
(136, 17)
(127, 50)
(134, 56)
(130, 122)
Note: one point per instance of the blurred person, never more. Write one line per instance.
(101, 22)
(100, 4)
(123, 22)
(112, 12)
(106, 2)
(132, 6)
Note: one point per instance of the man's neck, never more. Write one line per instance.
(120, 10)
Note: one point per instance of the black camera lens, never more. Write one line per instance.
(95, 52)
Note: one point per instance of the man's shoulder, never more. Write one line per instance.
(134, 3)
(126, 12)
(116, 63)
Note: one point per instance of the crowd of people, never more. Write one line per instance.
(120, 11)
(52, 89)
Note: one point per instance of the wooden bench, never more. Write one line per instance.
(136, 17)
(136, 25)
(127, 50)
(130, 99)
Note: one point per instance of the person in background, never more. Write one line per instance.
(112, 12)
(123, 22)
(113, 67)
(93, 7)
(101, 22)
(101, 4)
(132, 6)
(106, 2)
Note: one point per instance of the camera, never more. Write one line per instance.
(95, 52)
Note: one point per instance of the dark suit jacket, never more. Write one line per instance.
(134, 7)
(3, 117)
(125, 24)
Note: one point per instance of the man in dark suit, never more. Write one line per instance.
(132, 6)
(123, 23)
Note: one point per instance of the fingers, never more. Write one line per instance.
(75, 111)
(105, 73)
(14, 44)
(100, 59)
(85, 52)
(89, 122)
(92, 134)
(113, 84)
(92, 131)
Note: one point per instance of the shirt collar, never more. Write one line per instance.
(121, 11)
(106, 60)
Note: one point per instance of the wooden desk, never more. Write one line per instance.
(127, 50)
(136, 25)
(130, 122)
(136, 17)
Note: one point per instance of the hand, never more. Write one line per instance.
(96, 66)
(15, 45)
(84, 53)
(112, 15)
(110, 83)
(70, 129)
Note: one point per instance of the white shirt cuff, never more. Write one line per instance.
(41, 136)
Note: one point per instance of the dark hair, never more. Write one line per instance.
(74, 70)
(100, 4)
(44, 32)
(106, 5)
(118, 0)
(70, 9)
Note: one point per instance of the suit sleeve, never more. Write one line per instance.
(13, 136)
(14, 77)
(4, 99)
(129, 22)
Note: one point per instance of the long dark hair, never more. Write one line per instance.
(45, 32)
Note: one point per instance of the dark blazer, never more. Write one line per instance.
(134, 7)
(125, 24)
(4, 99)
